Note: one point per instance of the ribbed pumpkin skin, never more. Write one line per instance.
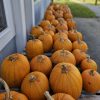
(79, 55)
(34, 85)
(61, 27)
(71, 24)
(74, 35)
(91, 81)
(62, 43)
(14, 68)
(62, 96)
(63, 56)
(68, 16)
(44, 23)
(80, 45)
(41, 63)
(60, 35)
(66, 78)
(58, 14)
(50, 17)
(36, 31)
(15, 96)
(49, 32)
(47, 41)
(88, 64)
(34, 48)
(54, 22)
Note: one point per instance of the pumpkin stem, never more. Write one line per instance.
(32, 78)
(40, 58)
(48, 96)
(91, 72)
(88, 58)
(7, 96)
(64, 69)
(13, 58)
(61, 39)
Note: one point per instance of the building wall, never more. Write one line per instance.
(40, 8)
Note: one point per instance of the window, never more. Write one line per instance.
(3, 23)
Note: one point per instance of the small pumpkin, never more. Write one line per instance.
(41, 63)
(74, 35)
(14, 68)
(63, 56)
(68, 16)
(88, 63)
(49, 32)
(34, 47)
(66, 78)
(36, 31)
(80, 45)
(71, 24)
(44, 23)
(58, 14)
(91, 81)
(54, 22)
(62, 43)
(58, 96)
(60, 35)
(61, 27)
(11, 95)
(79, 55)
(50, 17)
(47, 41)
(48, 12)
(34, 85)
(61, 20)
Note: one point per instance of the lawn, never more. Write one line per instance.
(90, 1)
(78, 10)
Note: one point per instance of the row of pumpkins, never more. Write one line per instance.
(56, 34)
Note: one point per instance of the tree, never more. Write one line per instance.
(96, 1)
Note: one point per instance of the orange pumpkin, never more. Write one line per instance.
(41, 63)
(14, 68)
(58, 14)
(61, 27)
(71, 24)
(36, 31)
(60, 35)
(70, 80)
(50, 17)
(79, 55)
(48, 12)
(62, 43)
(47, 41)
(62, 21)
(88, 63)
(74, 35)
(58, 96)
(91, 81)
(54, 22)
(80, 45)
(63, 56)
(44, 23)
(10, 95)
(49, 32)
(34, 85)
(34, 47)
(68, 16)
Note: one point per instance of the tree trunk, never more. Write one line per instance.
(96, 1)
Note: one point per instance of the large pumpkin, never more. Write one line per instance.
(91, 81)
(79, 55)
(74, 35)
(58, 96)
(66, 78)
(34, 47)
(47, 41)
(34, 85)
(14, 68)
(80, 45)
(63, 56)
(62, 43)
(41, 63)
(88, 63)
(60, 35)
(36, 31)
(10, 95)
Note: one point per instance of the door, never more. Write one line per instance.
(7, 31)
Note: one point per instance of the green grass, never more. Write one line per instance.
(91, 1)
(78, 10)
